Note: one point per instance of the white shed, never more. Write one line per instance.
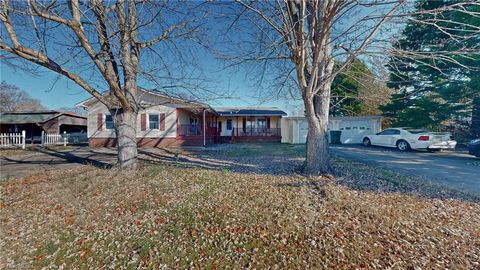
(353, 128)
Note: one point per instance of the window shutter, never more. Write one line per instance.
(143, 121)
(244, 124)
(100, 121)
(162, 121)
(268, 122)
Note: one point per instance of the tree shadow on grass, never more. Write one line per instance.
(355, 175)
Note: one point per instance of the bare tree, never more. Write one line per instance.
(14, 99)
(101, 45)
(303, 39)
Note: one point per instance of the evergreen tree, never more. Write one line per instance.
(357, 92)
(431, 90)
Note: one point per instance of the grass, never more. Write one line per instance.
(10, 152)
(263, 149)
(177, 218)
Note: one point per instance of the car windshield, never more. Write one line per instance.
(416, 131)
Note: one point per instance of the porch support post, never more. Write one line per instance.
(204, 128)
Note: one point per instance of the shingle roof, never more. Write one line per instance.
(25, 117)
(250, 111)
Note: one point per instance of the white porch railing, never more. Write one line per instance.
(12, 140)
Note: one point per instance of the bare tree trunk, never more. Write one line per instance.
(317, 160)
(126, 122)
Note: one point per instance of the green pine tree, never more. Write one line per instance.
(430, 92)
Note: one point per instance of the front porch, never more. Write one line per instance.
(197, 126)
(250, 128)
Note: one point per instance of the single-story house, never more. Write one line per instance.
(34, 122)
(164, 121)
(352, 128)
(248, 124)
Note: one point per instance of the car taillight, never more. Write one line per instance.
(424, 138)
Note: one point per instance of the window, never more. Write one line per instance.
(354, 128)
(153, 121)
(109, 122)
(229, 124)
(261, 123)
(362, 128)
(193, 121)
(250, 124)
(348, 128)
(390, 132)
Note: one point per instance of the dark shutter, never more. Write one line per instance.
(244, 124)
(162, 121)
(268, 122)
(100, 121)
(143, 121)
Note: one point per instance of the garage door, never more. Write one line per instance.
(354, 131)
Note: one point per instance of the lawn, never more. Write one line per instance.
(175, 217)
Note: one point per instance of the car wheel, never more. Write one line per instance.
(403, 145)
(367, 142)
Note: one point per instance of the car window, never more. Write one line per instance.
(390, 132)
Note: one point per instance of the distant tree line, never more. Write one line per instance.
(13, 99)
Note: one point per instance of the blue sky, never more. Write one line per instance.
(56, 91)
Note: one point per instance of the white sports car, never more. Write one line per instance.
(405, 139)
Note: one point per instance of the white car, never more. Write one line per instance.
(405, 139)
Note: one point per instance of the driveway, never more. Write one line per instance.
(453, 169)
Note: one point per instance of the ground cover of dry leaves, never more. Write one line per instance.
(167, 217)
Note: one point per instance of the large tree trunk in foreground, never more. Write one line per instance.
(317, 160)
(125, 123)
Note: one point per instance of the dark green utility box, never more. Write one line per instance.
(335, 136)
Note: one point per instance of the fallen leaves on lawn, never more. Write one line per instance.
(164, 217)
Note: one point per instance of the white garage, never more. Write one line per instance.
(353, 128)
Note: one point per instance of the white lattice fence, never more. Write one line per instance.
(12, 140)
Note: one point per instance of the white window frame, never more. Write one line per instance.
(158, 121)
(231, 124)
(105, 122)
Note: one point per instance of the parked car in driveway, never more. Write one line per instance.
(474, 147)
(405, 139)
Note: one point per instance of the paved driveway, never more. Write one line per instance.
(453, 169)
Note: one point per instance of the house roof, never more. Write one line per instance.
(250, 111)
(27, 117)
(154, 92)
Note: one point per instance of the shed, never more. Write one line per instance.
(353, 128)
(34, 122)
